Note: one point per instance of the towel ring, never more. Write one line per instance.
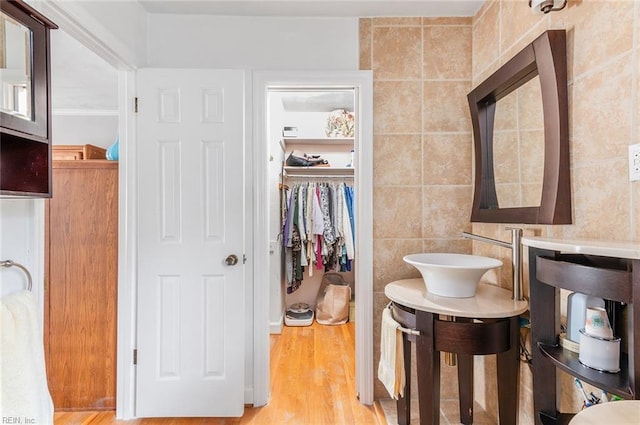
(402, 328)
(11, 263)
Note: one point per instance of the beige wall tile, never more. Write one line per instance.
(397, 21)
(448, 383)
(397, 52)
(446, 211)
(505, 157)
(483, 9)
(365, 43)
(397, 212)
(525, 415)
(510, 50)
(389, 265)
(532, 155)
(461, 246)
(397, 107)
(610, 22)
(512, 12)
(447, 159)
(601, 112)
(445, 106)
(447, 21)
(486, 48)
(530, 112)
(508, 194)
(397, 160)
(531, 194)
(452, 43)
(478, 78)
(506, 116)
(601, 199)
(484, 390)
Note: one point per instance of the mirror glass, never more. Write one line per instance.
(518, 147)
(15, 68)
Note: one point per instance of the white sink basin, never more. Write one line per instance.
(452, 275)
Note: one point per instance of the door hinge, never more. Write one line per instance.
(135, 104)
(135, 356)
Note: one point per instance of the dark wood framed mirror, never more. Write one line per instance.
(544, 60)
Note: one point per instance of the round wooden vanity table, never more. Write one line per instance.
(485, 324)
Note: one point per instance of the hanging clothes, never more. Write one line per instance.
(318, 229)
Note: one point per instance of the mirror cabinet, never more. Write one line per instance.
(25, 101)
(521, 137)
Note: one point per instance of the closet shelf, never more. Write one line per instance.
(324, 141)
(290, 143)
(319, 171)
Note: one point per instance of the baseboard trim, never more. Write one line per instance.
(276, 327)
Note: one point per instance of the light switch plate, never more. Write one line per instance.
(634, 162)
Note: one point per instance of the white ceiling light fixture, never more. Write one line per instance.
(546, 6)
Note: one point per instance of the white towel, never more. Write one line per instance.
(24, 394)
(391, 365)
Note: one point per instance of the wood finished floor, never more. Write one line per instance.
(312, 383)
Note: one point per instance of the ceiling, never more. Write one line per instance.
(83, 81)
(315, 8)
(80, 80)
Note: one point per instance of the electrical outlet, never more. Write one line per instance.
(634, 162)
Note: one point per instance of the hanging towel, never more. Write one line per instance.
(24, 392)
(391, 365)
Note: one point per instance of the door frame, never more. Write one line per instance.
(362, 81)
(81, 26)
(72, 21)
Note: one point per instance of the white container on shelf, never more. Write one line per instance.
(599, 353)
(577, 304)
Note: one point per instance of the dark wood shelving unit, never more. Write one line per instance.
(617, 281)
(561, 419)
(25, 150)
(566, 360)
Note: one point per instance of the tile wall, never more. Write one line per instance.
(423, 69)
(422, 146)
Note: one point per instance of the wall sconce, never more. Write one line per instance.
(546, 6)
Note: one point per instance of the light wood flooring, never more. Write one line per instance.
(312, 383)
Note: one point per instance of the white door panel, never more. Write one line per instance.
(190, 333)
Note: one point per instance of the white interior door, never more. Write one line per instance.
(190, 326)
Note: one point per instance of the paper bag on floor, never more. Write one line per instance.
(332, 307)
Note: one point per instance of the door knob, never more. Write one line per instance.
(231, 260)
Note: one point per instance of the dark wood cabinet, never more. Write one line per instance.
(617, 281)
(81, 294)
(25, 101)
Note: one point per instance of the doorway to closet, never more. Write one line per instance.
(311, 185)
(299, 115)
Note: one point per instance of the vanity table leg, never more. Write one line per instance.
(465, 387)
(508, 365)
(403, 405)
(545, 327)
(428, 366)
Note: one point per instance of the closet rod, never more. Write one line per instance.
(311, 176)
